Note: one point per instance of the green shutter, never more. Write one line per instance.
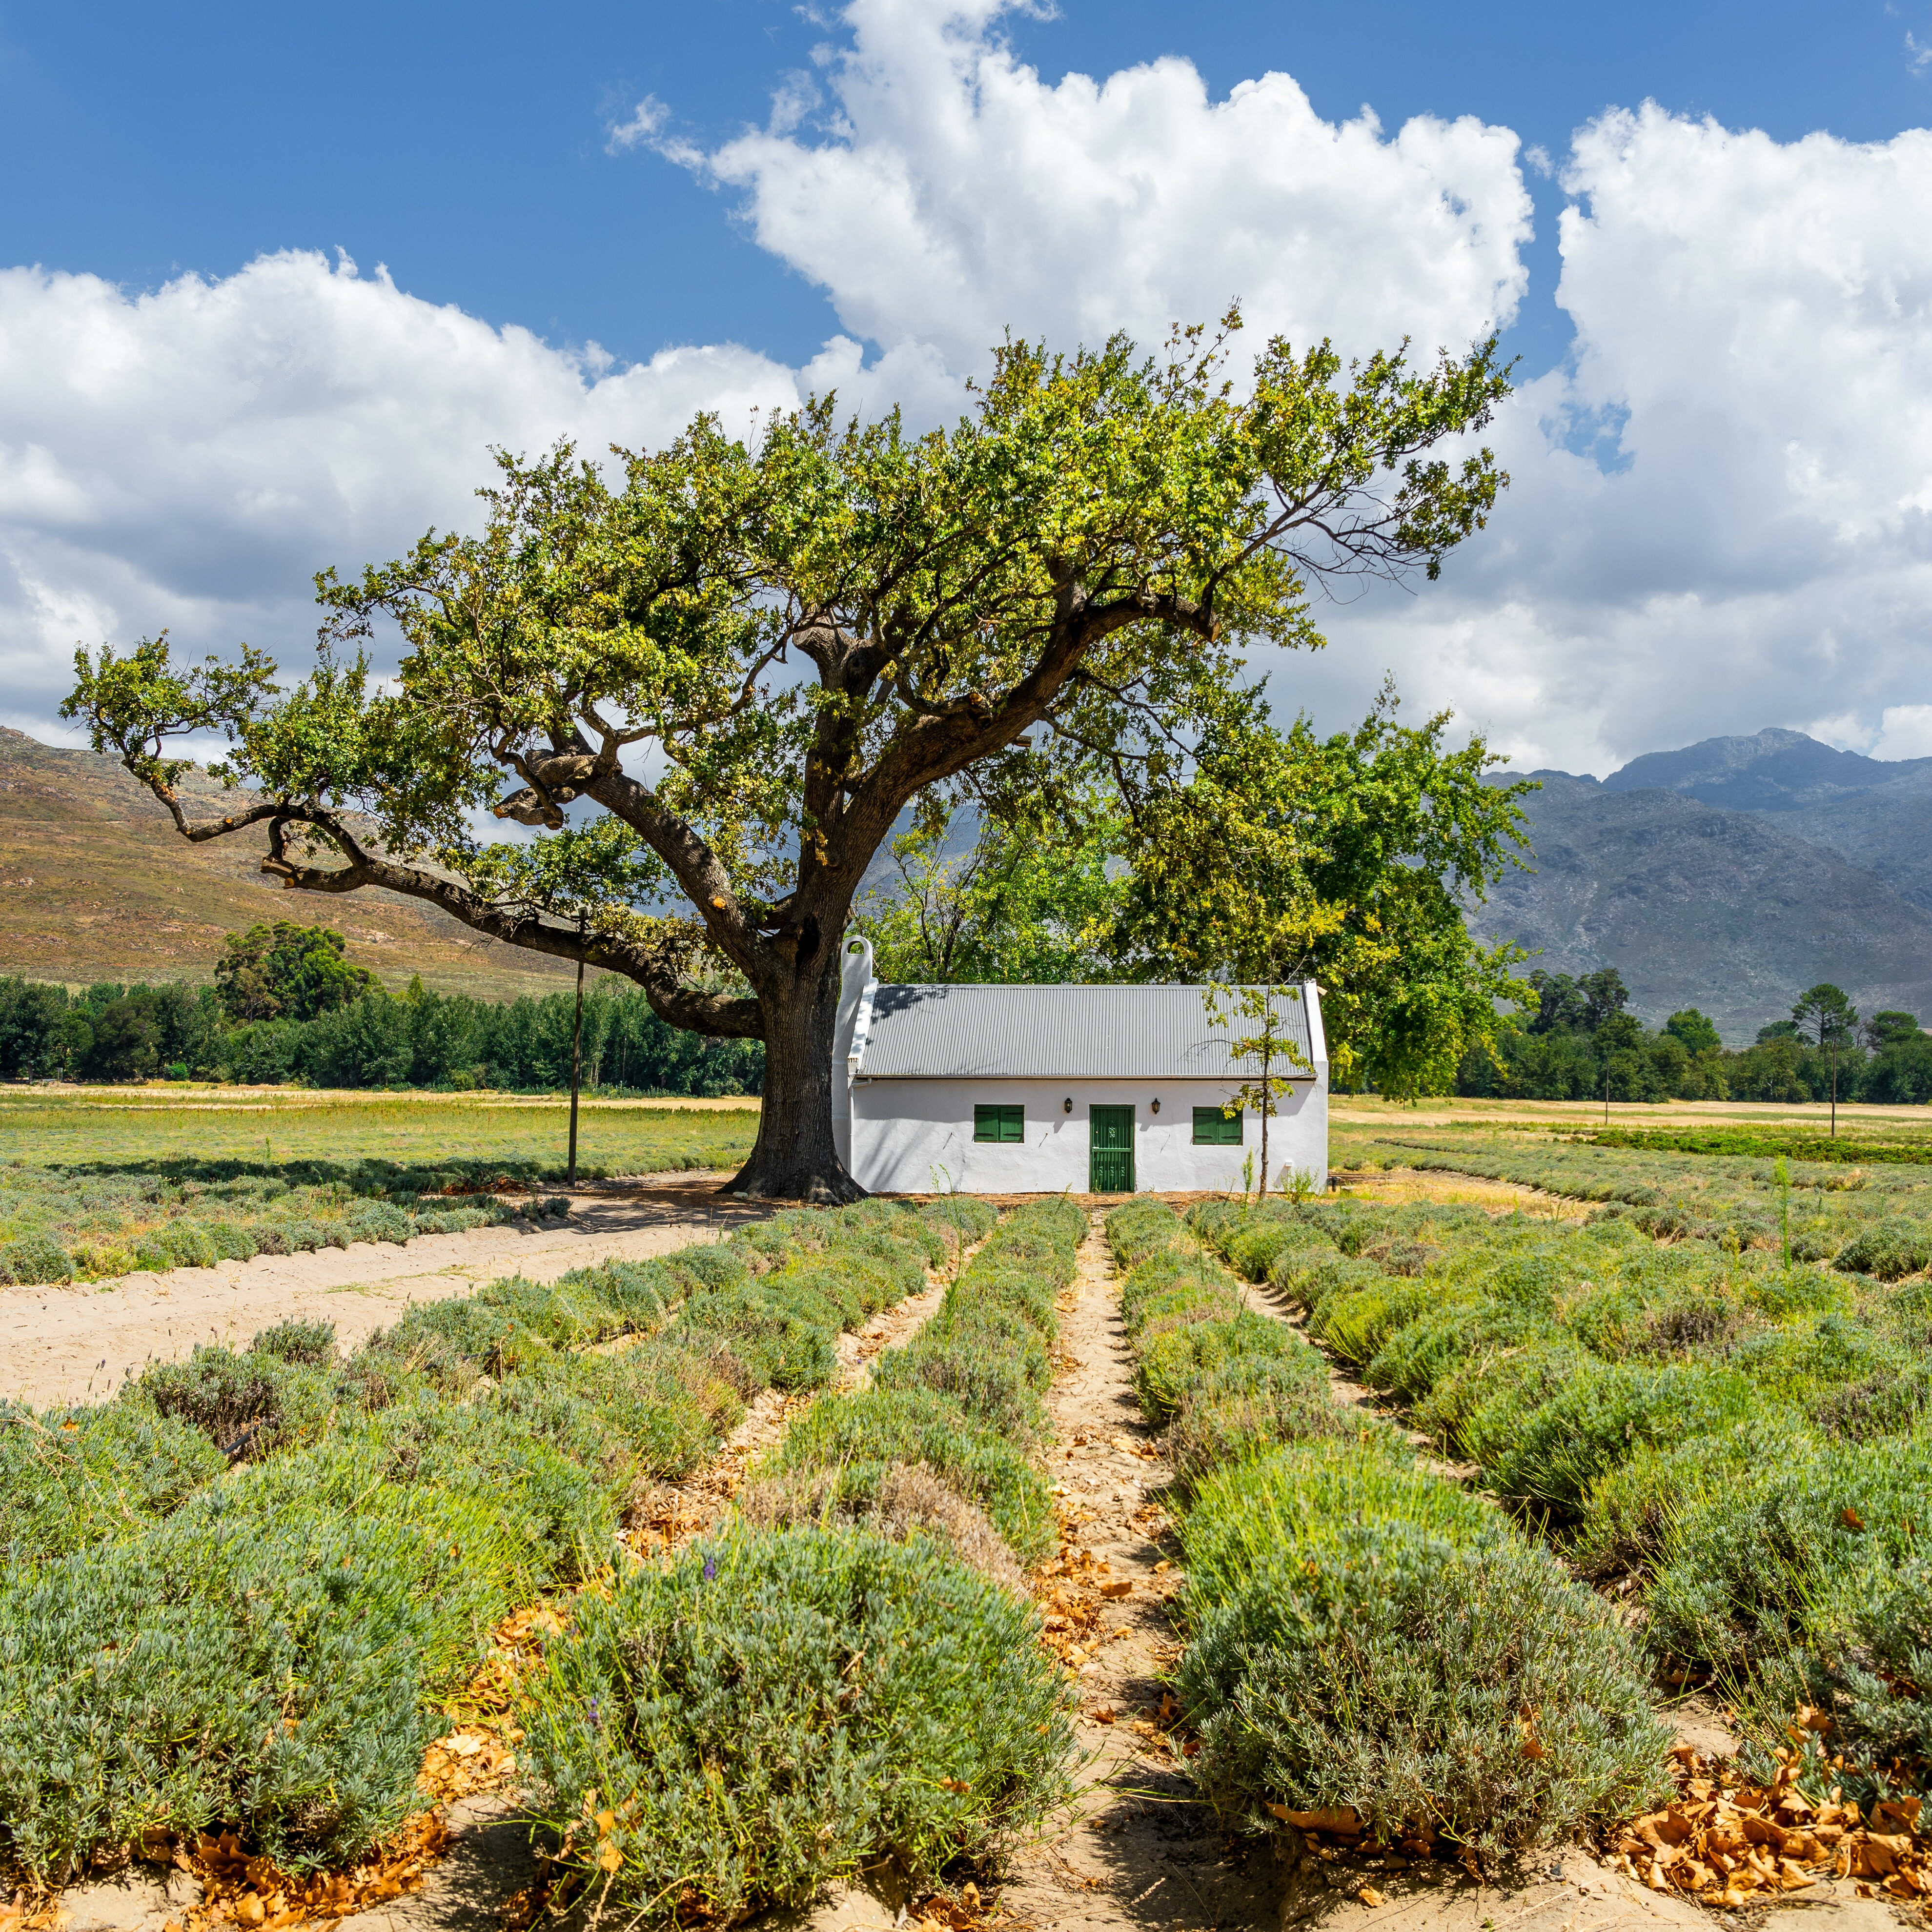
(999, 1123)
(1212, 1128)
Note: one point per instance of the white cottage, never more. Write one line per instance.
(1019, 1090)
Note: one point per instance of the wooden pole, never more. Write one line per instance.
(576, 1066)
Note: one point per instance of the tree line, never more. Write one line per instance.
(287, 1005)
(1575, 1041)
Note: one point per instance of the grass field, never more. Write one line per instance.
(100, 1183)
(127, 1127)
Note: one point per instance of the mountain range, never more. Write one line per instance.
(1729, 876)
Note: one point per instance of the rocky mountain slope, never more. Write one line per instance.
(96, 884)
(1728, 876)
(1731, 875)
(1876, 812)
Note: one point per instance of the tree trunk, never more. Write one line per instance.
(795, 1158)
(1268, 1109)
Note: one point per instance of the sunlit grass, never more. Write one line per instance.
(119, 1127)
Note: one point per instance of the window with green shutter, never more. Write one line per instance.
(1212, 1128)
(999, 1123)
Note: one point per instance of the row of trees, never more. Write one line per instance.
(1578, 1043)
(326, 1028)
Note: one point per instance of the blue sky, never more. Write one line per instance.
(465, 145)
(1721, 517)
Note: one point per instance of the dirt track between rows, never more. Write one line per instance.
(79, 1343)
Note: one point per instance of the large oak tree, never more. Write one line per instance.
(712, 687)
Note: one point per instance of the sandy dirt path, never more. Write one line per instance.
(1138, 1848)
(79, 1343)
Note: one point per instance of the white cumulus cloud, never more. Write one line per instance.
(1721, 517)
(945, 191)
(189, 458)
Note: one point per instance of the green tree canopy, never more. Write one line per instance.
(1891, 1028)
(1347, 860)
(1029, 901)
(1698, 1033)
(287, 971)
(1825, 1016)
(714, 685)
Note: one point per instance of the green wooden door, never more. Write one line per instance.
(1110, 1160)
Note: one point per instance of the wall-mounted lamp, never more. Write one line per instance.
(1155, 1108)
(1067, 1106)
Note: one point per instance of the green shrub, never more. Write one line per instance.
(1553, 1453)
(269, 1669)
(1433, 1349)
(35, 1259)
(779, 1709)
(908, 1500)
(78, 1476)
(784, 1339)
(717, 1266)
(453, 1220)
(643, 1293)
(519, 1503)
(1300, 1497)
(1386, 1668)
(1478, 1409)
(1175, 1284)
(1139, 1228)
(653, 1411)
(231, 1242)
(992, 1361)
(1631, 1517)
(381, 1221)
(1890, 1251)
(568, 1313)
(246, 1405)
(877, 1427)
(959, 1219)
(1315, 1277)
(453, 1344)
(1173, 1361)
(1248, 1407)
(311, 1343)
(1356, 1324)
(1799, 1548)
(1027, 1293)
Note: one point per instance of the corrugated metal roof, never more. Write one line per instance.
(1041, 1032)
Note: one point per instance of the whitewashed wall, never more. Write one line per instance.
(903, 1133)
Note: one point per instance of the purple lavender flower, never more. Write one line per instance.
(710, 1568)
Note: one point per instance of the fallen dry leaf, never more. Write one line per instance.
(1369, 1895)
(1728, 1843)
(1342, 1822)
